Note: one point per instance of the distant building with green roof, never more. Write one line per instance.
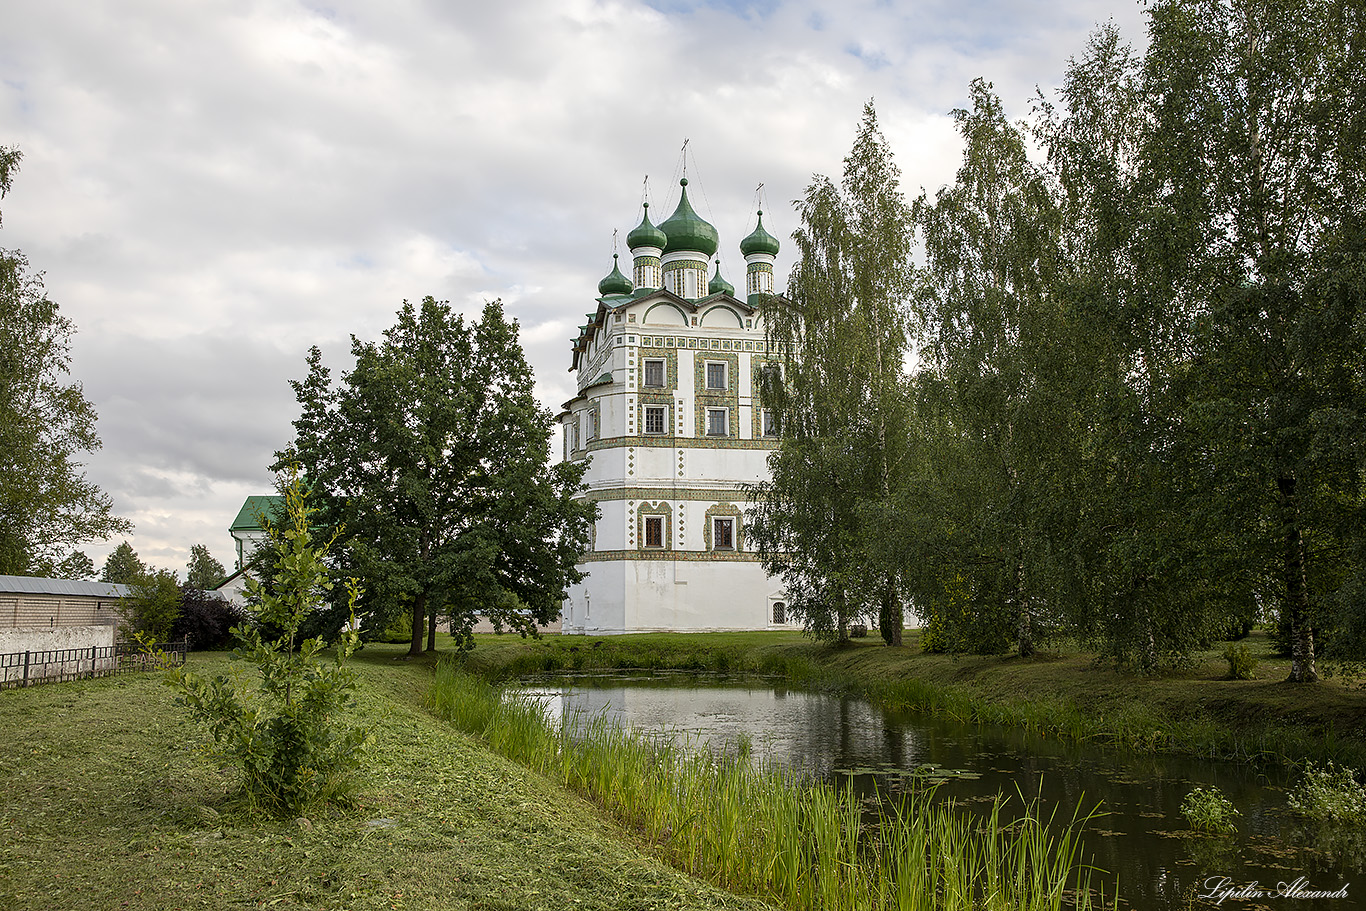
(246, 530)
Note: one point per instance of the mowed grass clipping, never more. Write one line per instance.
(106, 803)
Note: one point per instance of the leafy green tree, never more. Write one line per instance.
(47, 505)
(204, 572)
(1255, 148)
(122, 566)
(1121, 567)
(840, 397)
(78, 566)
(288, 735)
(433, 457)
(153, 606)
(991, 331)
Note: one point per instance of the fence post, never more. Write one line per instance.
(26, 654)
(92, 662)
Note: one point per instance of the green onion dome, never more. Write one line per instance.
(759, 240)
(646, 234)
(686, 230)
(719, 284)
(615, 282)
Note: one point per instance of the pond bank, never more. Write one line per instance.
(106, 804)
(1066, 694)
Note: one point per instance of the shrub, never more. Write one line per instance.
(1241, 664)
(1330, 795)
(286, 735)
(1208, 810)
(205, 621)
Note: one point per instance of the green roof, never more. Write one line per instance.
(615, 282)
(759, 240)
(646, 234)
(686, 230)
(719, 285)
(249, 516)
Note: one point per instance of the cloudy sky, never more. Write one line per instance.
(213, 186)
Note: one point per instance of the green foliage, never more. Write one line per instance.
(203, 572)
(933, 639)
(153, 606)
(1208, 810)
(821, 520)
(1137, 412)
(287, 734)
(1254, 154)
(434, 455)
(398, 629)
(122, 566)
(1330, 795)
(78, 567)
(47, 505)
(995, 392)
(1241, 664)
(954, 624)
(206, 621)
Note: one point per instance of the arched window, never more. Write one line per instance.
(779, 612)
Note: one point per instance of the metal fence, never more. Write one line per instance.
(31, 668)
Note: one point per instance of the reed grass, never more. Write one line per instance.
(759, 829)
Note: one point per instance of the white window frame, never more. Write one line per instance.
(658, 521)
(768, 423)
(725, 422)
(578, 443)
(663, 366)
(593, 425)
(663, 412)
(716, 522)
(725, 376)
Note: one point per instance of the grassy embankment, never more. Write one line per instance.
(1065, 694)
(105, 805)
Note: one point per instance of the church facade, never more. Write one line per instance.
(668, 417)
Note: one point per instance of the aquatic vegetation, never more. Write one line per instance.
(759, 829)
(1330, 795)
(1208, 810)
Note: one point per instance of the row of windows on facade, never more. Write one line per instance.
(657, 423)
(716, 373)
(722, 532)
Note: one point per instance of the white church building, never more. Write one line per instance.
(669, 419)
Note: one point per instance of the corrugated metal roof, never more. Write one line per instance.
(32, 585)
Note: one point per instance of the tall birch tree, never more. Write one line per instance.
(841, 396)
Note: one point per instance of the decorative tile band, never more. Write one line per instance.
(673, 441)
(680, 556)
(651, 494)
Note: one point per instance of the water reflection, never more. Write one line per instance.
(1141, 840)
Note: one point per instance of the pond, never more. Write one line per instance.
(1140, 838)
